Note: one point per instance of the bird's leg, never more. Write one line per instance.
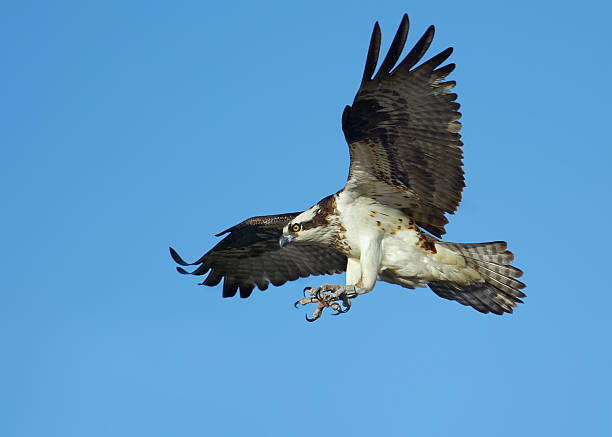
(329, 295)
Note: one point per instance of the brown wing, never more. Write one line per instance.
(403, 133)
(251, 256)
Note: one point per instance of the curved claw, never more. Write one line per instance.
(304, 291)
(318, 294)
(309, 319)
(346, 303)
(295, 305)
(340, 311)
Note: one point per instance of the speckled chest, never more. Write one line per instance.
(364, 220)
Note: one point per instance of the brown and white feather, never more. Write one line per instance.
(403, 133)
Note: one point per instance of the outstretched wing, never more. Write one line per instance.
(251, 256)
(403, 133)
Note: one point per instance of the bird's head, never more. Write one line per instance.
(313, 226)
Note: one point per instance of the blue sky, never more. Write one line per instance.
(127, 127)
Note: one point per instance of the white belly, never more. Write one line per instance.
(403, 259)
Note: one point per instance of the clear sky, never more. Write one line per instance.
(127, 127)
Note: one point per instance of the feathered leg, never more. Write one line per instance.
(361, 275)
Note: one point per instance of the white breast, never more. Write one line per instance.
(401, 253)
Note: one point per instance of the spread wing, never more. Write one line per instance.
(250, 256)
(403, 133)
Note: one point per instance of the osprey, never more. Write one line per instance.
(405, 175)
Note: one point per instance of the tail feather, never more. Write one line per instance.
(498, 292)
(491, 248)
(505, 270)
(495, 252)
(478, 296)
(500, 280)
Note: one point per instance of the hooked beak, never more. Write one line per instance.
(285, 239)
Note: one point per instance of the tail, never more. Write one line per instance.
(499, 292)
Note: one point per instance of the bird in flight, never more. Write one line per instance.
(385, 225)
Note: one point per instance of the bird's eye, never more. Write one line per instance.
(295, 227)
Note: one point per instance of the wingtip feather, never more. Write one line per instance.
(418, 51)
(177, 258)
(373, 51)
(395, 50)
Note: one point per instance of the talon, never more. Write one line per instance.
(341, 311)
(318, 294)
(335, 297)
(337, 308)
(304, 291)
(347, 305)
(311, 320)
